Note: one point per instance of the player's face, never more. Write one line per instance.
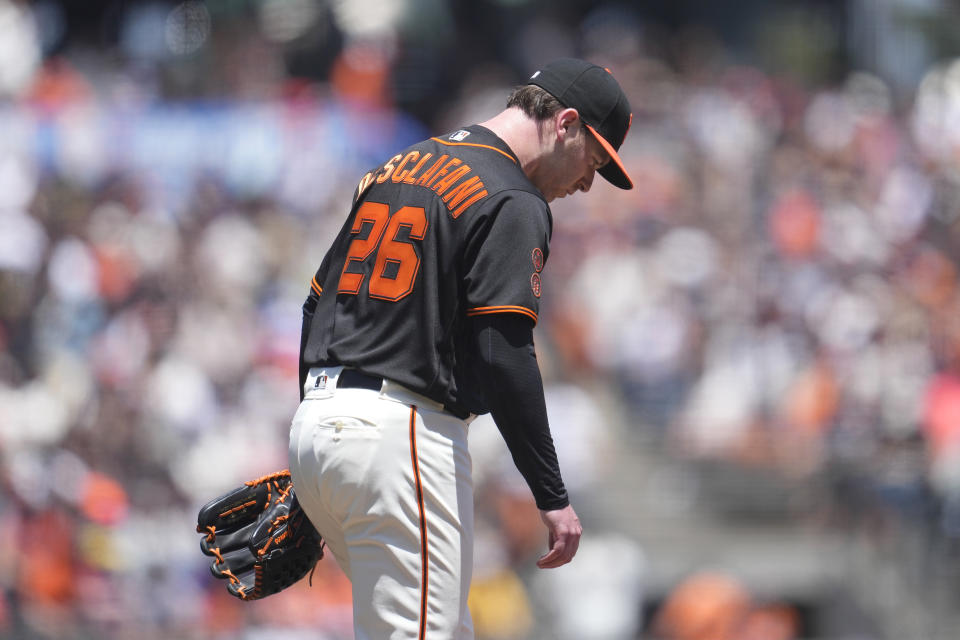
(575, 166)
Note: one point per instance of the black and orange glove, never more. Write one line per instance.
(260, 539)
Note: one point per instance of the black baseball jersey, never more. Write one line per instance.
(448, 229)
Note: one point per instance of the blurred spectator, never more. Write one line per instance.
(703, 607)
(715, 606)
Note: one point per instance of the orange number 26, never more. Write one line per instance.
(397, 262)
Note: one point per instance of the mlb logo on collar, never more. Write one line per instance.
(459, 135)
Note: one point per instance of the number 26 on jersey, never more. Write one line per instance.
(396, 261)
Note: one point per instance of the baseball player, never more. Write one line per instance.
(421, 316)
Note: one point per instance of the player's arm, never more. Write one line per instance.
(309, 308)
(319, 278)
(514, 391)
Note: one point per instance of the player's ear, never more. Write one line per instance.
(566, 122)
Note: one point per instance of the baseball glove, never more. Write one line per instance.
(260, 539)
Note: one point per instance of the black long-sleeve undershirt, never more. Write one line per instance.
(514, 393)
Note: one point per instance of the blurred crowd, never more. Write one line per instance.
(779, 291)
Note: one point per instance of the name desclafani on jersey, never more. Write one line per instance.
(448, 177)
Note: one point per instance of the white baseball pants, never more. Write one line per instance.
(386, 479)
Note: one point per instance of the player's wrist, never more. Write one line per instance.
(553, 504)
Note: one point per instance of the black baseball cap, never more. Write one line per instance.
(603, 107)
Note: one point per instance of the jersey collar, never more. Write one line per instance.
(482, 136)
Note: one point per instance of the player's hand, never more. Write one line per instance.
(564, 530)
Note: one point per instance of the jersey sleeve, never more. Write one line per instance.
(505, 256)
(510, 377)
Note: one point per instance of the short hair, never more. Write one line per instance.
(537, 103)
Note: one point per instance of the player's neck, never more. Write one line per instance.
(521, 134)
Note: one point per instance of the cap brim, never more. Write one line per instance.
(613, 172)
